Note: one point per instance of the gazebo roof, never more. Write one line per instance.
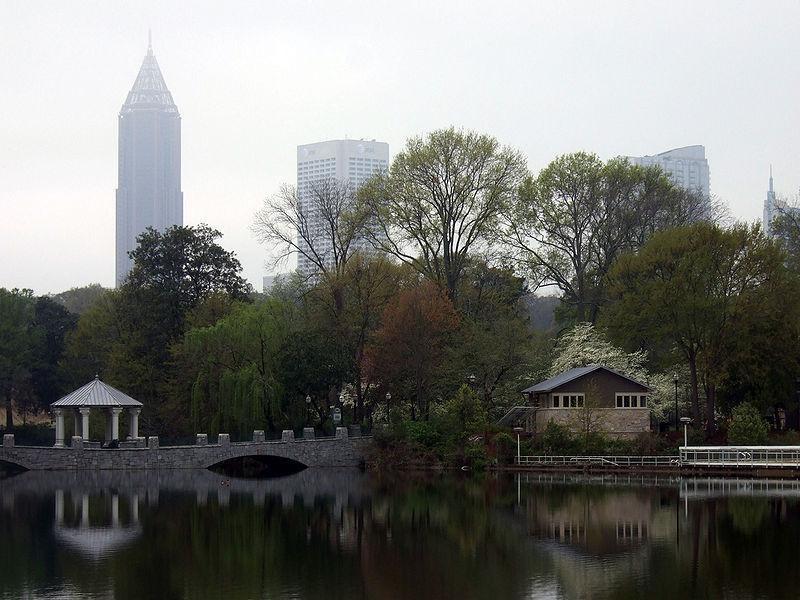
(96, 393)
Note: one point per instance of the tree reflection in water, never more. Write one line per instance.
(343, 534)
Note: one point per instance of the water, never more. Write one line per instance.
(331, 534)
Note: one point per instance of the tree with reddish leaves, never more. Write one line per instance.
(409, 348)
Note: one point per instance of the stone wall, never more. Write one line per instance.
(616, 422)
(341, 451)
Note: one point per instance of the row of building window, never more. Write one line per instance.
(577, 400)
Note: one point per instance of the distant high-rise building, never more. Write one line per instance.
(687, 167)
(149, 184)
(771, 206)
(352, 161)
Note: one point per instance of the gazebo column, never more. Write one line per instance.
(134, 425)
(76, 413)
(85, 422)
(59, 414)
(114, 417)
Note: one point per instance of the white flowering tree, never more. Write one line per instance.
(585, 345)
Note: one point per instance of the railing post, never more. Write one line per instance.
(8, 440)
(287, 435)
(202, 439)
(224, 439)
(308, 433)
(341, 432)
(258, 436)
(152, 442)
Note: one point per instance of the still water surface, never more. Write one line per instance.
(331, 534)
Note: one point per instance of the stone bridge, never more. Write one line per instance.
(342, 450)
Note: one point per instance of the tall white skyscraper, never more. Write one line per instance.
(687, 167)
(353, 161)
(149, 189)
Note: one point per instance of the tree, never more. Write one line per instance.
(569, 224)
(441, 200)
(408, 349)
(53, 322)
(699, 289)
(290, 221)
(185, 265)
(78, 300)
(495, 343)
(747, 427)
(18, 341)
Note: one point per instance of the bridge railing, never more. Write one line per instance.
(740, 456)
(609, 461)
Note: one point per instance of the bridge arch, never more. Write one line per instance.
(258, 465)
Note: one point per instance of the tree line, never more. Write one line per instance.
(425, 295)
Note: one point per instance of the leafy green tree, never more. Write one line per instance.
(706, 291)
(54, 322)
(18, 342)
(78, 300)
(747, 426)
(441, 200)
(569, 224)
(495, 347)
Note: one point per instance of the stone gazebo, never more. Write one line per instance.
(101, 396)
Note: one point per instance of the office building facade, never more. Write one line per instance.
(149, 166)
(351, 161)
(687, 167)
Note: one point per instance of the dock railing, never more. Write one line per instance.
(609, 461)
(740, 456)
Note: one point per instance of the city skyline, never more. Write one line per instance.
(260, 80)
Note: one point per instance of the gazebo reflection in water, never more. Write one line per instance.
(94, 527)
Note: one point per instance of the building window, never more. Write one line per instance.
(568, 400)
(631, 400)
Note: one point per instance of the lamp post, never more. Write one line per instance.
(388, 402)
(685, 421)
(518, 430)
(675, 380)
(308, 408)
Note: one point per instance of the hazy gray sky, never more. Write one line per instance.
(254, 79)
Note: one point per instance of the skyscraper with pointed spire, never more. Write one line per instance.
(770, 205)
(149, 181)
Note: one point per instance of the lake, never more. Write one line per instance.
(345, 534)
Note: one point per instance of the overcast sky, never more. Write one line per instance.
(254, 79)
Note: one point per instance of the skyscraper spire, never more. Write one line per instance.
(149, 41)
(770, 180)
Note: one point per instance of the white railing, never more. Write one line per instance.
(740, 456)
(608, 461)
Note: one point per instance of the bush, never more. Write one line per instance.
(475, 457)
(506, 447)
(748, 427)
(557, 439)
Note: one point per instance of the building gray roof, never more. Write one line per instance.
(96, 393)
(570, 375)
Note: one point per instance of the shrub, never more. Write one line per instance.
(556, 439)
(475, 457)
(747, 426)
(506, 446)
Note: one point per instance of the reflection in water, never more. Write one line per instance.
(343, 534)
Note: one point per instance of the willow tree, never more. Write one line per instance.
(441, 200)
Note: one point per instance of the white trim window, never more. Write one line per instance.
(567, 400)
(629, 400)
